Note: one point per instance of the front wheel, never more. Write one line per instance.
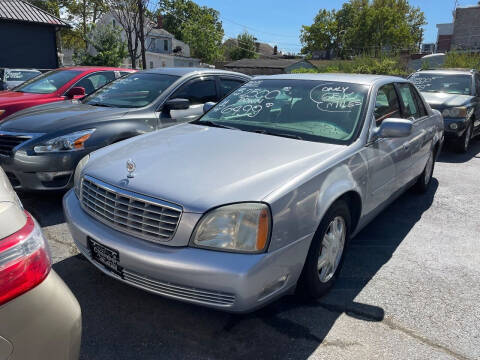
(464, 142)
(325, 257)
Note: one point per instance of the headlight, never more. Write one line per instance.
(241, 227)
(455, 112)
(77, 177)
(69, 142)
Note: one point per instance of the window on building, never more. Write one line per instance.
(151, 64)
(164, 64)
(165, 45)
(114, 23)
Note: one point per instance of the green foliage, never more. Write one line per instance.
(366, 65)
(363, 26)
(462, 60)
(198, 26)
(110, 50)
(244, 48)
(304, 71)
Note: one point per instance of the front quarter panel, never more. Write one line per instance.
(299, 206)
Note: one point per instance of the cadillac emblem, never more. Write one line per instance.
(131, 168)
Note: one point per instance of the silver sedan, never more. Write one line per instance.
(260, 196)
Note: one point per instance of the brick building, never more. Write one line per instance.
(466, 28)
(444, 38)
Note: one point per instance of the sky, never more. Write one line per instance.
(279, 21)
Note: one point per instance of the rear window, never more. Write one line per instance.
(49, 82)
(20, 75)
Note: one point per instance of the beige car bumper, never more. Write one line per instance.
(44, 323)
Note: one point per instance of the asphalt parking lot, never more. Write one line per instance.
(409, 289)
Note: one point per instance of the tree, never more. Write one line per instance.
(198, 26)
(243, 47)
(363, 26)
(129, 15)
(109, 48)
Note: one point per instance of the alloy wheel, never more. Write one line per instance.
(331, 249)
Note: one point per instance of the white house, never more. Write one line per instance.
(162, 49)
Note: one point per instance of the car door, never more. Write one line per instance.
(198, 91)
(383, 156)
(419, 143)
(476, 119)
(95, 81)
(229, 85)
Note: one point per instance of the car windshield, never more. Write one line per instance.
(48, 83)
(322, 111)
(20, 75)
(132, 91)
(445, 83)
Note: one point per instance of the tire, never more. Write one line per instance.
(314, 283)
(464, 142)
(424, 180)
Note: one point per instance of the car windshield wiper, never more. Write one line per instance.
(291, 136)
(214, 124)
(99, 104)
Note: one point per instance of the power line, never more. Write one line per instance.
(257, 30)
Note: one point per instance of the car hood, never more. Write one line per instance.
(57, 116)
(201, 167)
(8, 97)
(444, 100)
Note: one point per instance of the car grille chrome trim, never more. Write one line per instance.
(135, 214)
(10, 141)
(179, 292)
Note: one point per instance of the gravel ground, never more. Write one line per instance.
(409, 289)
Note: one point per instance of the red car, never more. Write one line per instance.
(57, 85)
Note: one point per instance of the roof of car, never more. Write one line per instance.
(348, 78)
(448, 71)
(181, 71)
(94, 68)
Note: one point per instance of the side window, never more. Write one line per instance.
(409, 105)
(422, 111)
(229, 85)
(386, 104)
(477, 84)
(198, 91)
(96, 80)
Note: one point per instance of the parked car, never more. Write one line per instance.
(57, 85)
(456, 94)
(39, 316)
(9, 78)
(259, 195)
(40, 146)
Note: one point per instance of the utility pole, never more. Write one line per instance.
(141, 14)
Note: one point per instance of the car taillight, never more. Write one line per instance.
(24, 260)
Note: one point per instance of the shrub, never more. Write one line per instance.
(462, 60)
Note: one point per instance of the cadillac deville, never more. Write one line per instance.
(260, 196)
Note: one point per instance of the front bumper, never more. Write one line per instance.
(52, 171)
(227, 281)
(451, 134)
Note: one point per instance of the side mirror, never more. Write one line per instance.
(177, 104)
(75, 92)
(207, 106)
(394, 128)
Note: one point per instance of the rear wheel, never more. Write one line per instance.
(325, 257)
(464, 142)
(423, 182)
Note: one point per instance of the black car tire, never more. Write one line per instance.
(424, 180)
(464, 141)
(309, 284)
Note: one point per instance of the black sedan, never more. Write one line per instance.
(41, 146)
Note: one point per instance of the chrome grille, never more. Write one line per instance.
(9, 141)
(144, 217)
(179, 292)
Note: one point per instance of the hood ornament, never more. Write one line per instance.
(131, 168)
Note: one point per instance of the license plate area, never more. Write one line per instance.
(105, 256)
